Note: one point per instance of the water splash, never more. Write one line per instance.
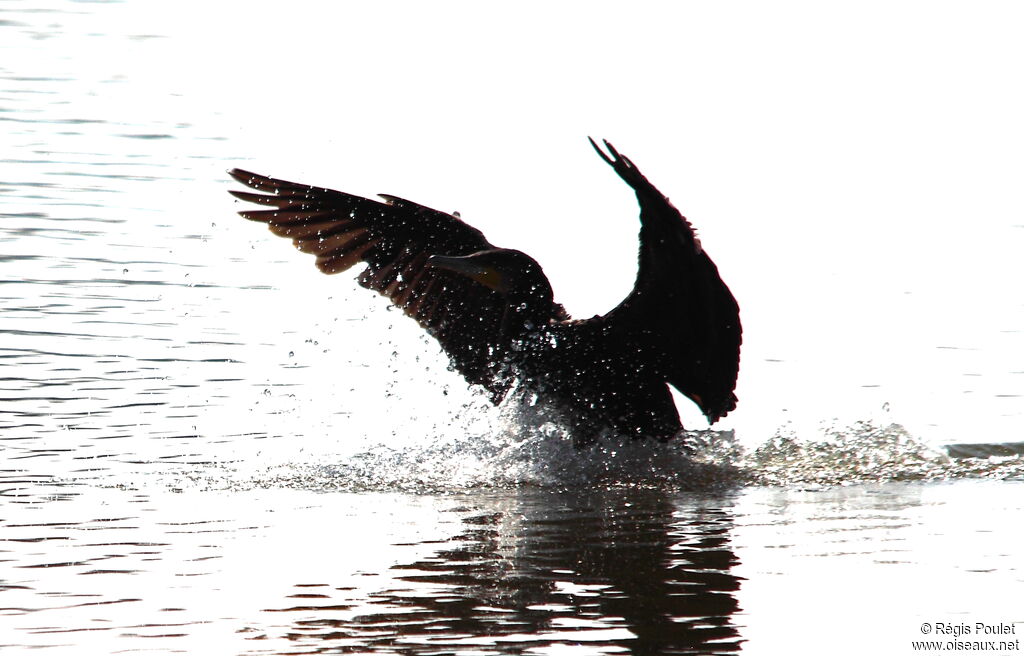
(866, 452)
(524, 445)
(535, 458)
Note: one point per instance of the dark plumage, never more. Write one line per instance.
(493, 311)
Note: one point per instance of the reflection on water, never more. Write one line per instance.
(615, 571)
(626, 570)
(528, 571)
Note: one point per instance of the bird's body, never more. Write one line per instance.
(493, 310)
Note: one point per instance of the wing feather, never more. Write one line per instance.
(394, 239)
(685, 314)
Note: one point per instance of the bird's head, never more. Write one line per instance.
(514, 275)
(484, 267)
(504, 270)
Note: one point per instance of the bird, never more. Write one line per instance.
(493, 312)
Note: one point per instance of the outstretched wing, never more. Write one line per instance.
(394, 238)
(680, 307)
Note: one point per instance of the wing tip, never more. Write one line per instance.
(608, 160)
(622, 164)
(241, 175)
(257, 181)
(240, 195)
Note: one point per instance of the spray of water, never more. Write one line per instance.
(522, 446)
(868, 452)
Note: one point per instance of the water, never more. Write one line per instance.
(625, 570)
(210, 448)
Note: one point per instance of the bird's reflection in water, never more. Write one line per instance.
(611, 571)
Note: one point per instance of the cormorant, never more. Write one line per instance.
(493, 311)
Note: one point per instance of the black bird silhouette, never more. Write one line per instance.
(493, 311)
